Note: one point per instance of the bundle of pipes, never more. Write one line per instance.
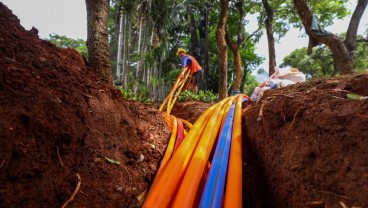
(188, 176)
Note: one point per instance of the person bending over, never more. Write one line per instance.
(190, 62)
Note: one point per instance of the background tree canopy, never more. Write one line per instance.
(145, 34)
(65, 42)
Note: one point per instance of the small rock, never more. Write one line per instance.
(140, 159)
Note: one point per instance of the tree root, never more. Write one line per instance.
(74, 193)
(292, 123)
(58, 153)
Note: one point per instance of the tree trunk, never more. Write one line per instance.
(156, 38)
(205, 52)
(238, 70)
(114, 45)
(194, 37)
(235, 48)
(126, 52)
(244, 78)
(351, 34)
(222, 48)
(237, 59)
(120, 46)
(97, 37)
(139, 51)
(341, 55)
(270, 38)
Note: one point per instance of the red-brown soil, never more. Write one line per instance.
(57, 119)
(307, 146)
(304, 145)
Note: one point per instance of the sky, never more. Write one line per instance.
(69, 18)
(62, 17)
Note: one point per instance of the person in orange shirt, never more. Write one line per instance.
(190, 62)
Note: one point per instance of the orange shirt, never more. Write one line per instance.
(190, 62)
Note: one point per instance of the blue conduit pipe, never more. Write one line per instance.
(213, 193)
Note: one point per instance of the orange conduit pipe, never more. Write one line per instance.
(162, 193)
(170, 106)
(170, 124)
(187, 123)
(188, 188)
(179, 90)
(180, 81)
(233, 192)
(170, 146)
(179, 135)
(176, 84)
(171, 102)
(183, 168)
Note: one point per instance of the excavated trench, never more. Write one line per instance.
(303, 145)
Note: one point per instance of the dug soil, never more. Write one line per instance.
(303, 146)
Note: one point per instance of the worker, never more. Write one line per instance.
(190, 62)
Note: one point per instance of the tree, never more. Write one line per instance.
(142, 13)
(351, 34)
(222, 48)
(340, 51)
(235, 46)
(97, 37)
(270, 38)
(167, 26)
(204, 30)
(116, 33)
(321, 63)
(278, 17)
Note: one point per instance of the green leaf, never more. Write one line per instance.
(356, 97)
(113, 161)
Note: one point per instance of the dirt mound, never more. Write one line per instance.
(57, 119)
(306, 146)
(190, 110)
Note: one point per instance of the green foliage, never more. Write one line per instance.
(203, 96)
(250, 60)
(285, 15)
(129, 95)
(64, 42)
(170, 21)
(320, 63)
(250, 84)
(327, 10)
(361, 53)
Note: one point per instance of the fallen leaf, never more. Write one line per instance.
(113, 161)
